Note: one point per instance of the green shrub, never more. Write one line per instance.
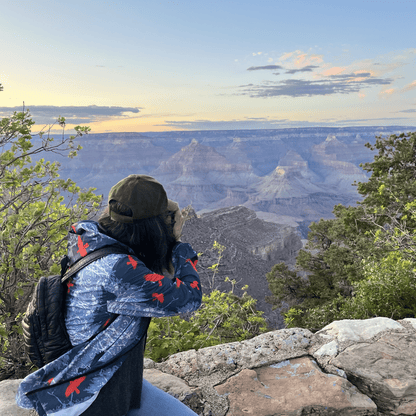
(222, 318)
(388, 290)
(34, 223)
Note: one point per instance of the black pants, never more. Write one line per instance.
(124, 389)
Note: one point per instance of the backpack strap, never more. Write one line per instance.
(89, 258)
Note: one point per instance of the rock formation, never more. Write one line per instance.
(253, 247)
(199, 175)
(350, 367)
(218, 169)
(292, 178)
(263, 154)
(334, 160)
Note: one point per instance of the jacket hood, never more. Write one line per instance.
(85, 237)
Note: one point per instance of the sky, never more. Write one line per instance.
(141, 66)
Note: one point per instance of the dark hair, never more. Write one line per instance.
(151, 238)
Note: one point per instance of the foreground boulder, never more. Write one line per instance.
(350, 367)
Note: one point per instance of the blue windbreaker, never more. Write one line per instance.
(117, 283)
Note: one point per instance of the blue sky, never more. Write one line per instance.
(178, 65)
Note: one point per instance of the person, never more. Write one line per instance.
(104, 376)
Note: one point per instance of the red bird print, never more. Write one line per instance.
(73, 386)
(69, 284)
(82, 248)
(178, 282)
(132, 262)
(73, 227)
(159, 297)
(154, 278)
(194, 285)
(193, 264)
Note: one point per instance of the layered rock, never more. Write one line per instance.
(199, 175)
(107, 158)
(310, 207)
(228, 168)
(291, 190)
(263, 154)
(350, 367)
(253, 247)
(333, 158)
(292, 178)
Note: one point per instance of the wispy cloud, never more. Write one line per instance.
(266, 123)
(380, 121)
(308, 68)
(45, 114)
(387, 93)
(412, 110)
(242, 124)
(256, 68)
(301, 59)
(336, 84)
(409, 87)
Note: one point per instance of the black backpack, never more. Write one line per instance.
(44, 331)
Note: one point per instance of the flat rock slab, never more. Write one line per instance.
(384, 370)
(8, 406)
(293, 387)
(221, 361)
(358, 330)
(176, 387)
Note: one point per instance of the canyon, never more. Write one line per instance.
(297, 175)
(252, 247)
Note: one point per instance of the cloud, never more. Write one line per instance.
(256, 68)
(244, 124)
(286, 56)
(336, 84)
(350, 77)
(407, 111)
(333, 71)
(409, 87)
(308, 68)
(303, 59)
(250, 123)
(46, 114)
(316, 77)
(384, 120)
(386, 93)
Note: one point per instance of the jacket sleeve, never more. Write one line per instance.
(140, 292)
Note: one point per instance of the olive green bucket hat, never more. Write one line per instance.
(144, 195)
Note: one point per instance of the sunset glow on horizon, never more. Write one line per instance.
(139, 66)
